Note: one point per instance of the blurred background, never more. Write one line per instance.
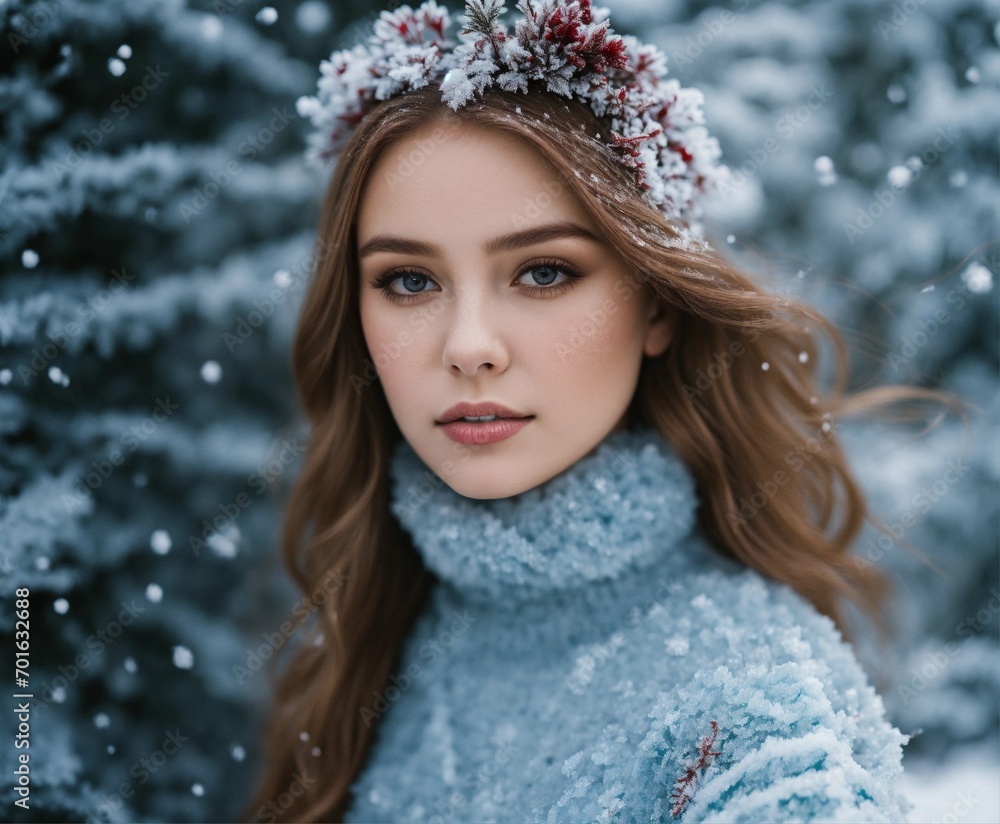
(156, 230)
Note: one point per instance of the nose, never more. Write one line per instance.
(473, 341)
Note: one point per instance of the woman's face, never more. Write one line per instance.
(482, 279)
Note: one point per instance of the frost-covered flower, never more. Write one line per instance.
(657, 126)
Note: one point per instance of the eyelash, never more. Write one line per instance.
(384, 281)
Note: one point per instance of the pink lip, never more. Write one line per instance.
(472, 434)
(478, 410)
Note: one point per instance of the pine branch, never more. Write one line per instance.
(482, 16)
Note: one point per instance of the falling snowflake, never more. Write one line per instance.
(160, 542)
(313, 17)
(977, 278)
(183, 657)
(154, 593)
(899, 177)
(116, 66)
(29, 258)
(61, 606)
(267, 16)
(211, 371)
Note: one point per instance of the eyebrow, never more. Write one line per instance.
(503, 243)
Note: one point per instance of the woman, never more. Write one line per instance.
(574, 469)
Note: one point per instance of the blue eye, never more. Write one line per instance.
(544, 273)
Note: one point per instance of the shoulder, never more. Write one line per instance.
(768, 715)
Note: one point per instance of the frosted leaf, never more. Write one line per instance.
(977, 278)
(313, 17)
(116, 66)
(154, 593)
(160, 542)
(124, 51)
(267, 16)
(29, 258)
(61, 605)
(211, 371)
(183, 657)
(102, 721)
(899, 176)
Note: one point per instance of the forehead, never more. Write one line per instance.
(452, 175)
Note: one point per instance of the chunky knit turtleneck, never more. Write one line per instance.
(581, 646)
(617, 510)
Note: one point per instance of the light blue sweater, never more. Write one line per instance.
(587, 656)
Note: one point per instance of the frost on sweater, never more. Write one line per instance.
(580, 643)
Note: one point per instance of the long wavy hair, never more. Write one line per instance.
(737, 428)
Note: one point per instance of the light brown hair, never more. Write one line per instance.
(735, 426)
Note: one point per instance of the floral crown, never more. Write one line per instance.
(656, 125)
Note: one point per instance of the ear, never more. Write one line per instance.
(661, 321)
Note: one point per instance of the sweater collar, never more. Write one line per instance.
(617, 511)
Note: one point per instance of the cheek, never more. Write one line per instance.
(592, 343)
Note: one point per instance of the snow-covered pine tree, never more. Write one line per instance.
(156, 230)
